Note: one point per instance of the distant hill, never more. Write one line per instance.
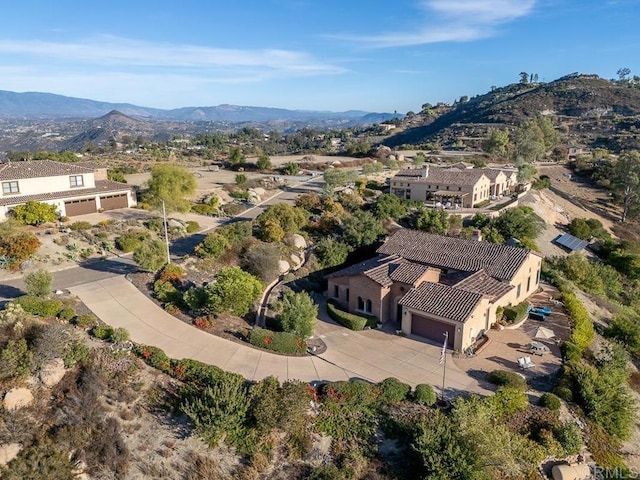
(33, 105)
(587, 105)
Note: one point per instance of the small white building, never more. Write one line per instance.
(73, 189)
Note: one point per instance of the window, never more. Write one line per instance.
(346, 295)
(475, 197)
(447, 187)
(336, 291)
(529, 283)
(367, 306)
(538, 276)
(360, 303)
(518, 291)
(76, 181)
(459, 189)
(9, 188)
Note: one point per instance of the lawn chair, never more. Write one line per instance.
(525, 362)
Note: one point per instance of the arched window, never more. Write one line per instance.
(367, 307)
(360, 303)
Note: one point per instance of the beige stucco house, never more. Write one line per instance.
(74, 189)
(428, 284)
(461, 188)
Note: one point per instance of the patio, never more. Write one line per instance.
(506, 346)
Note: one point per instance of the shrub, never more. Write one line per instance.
(151, 256)
(38, 282)
(103, 332)
(262, 261)
(517, 313)
(350, 320)
(564, 392)
(18, 246)
(86, 320)
(424, 394)
(128, 242)
(196, 298)
(166, 292)
(232, 209)
(626, 330)
(569, 437)
(281, 342)
(582, 332)
(298, 313)
(550, 401)
(79, 226)
(67, 314)
(509, 400)
(505, 378)
(193, 226)
(154, 356)
(120, 335)
(393, 390)
(171, 273)
(15, 359)
(75, 352)
(35, 213)
(39, 306)
(213, 246)
(331, 252)
(203, 323)
(236, 233)
(234, 291)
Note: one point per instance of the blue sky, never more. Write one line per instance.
(336, 55)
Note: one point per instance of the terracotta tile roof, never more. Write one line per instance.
(492, 174)
(102, 186)
(408, 272)
(483, 284)
(442, 176)
(442, 301)
(39, 169)
(499, 261)
(377, 269)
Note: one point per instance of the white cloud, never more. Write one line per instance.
(108, 51)
(450, 21)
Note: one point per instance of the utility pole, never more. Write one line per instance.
(443, 357)
(166, 231)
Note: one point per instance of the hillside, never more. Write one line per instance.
(590, 110)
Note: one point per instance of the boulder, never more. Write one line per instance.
(8, 452)
(17, 398)
(253, 197)
(298, 241)
(173, 223)
(283, 266)
(296, 260)
(259, 191)
(52, 372)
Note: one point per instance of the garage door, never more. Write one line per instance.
(80, 207)
(432, 329)
(111, 202)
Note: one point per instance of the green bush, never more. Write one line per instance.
(193, 226)
(564, 392)
(166, 292)
(16, 359)
(504, 378)
(281, 342)
(128, 242)
(39, 306)
(67, 314)
(38, 283)
(424, 394)
(154, 356)
(517, 313)
(582, 332)
(350, 320)
(120, 335)
(393, 390)
(86, 320)
(75, 352)
(213, 246)
(550, 401)
(103, 332)
(509, 400)
(35, 213)
(79, 226)
(569, 437)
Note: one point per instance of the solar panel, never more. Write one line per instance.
(572, 243)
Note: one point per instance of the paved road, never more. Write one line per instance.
(372, 355)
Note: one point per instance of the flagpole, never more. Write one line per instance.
(444, 366)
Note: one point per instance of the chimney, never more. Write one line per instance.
(477, 236)
(425, 171)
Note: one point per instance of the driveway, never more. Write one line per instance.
(371, 355)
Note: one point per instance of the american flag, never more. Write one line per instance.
(444, 349)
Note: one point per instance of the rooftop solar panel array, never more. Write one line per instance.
(574, 244)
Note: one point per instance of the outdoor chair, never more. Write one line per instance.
(525, 362)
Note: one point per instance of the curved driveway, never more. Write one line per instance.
(372, 355)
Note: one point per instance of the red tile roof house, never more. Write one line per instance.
(430, 284)
(73, 189)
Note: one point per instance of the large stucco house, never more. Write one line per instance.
(429, 284)
(75, 189)
(457, 187)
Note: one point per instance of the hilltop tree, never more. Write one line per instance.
(236, 157)
(524, 78)
(497, 143)
(626, 183)
(623, 73)
(171, 184)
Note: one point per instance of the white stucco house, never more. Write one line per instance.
(75, 189)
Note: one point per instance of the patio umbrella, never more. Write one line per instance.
(543, 332)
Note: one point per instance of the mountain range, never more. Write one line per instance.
(35, 105)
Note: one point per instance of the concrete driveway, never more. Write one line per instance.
(372, 355)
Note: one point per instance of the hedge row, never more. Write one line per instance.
(187, 370)
(582, 332)
(39, 306)
(350, 320)
(517, 313)
(281, 342)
